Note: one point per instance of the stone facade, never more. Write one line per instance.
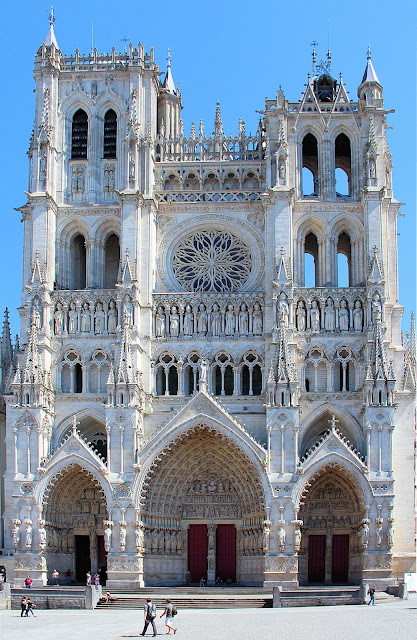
(183, 398)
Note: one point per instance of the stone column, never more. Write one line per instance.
(211, 555)
(328, 557)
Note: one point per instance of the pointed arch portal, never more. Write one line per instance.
(203, 506)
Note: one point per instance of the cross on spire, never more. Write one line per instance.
(51, 17)
(333, 422)
(169, 58)
(368, 54)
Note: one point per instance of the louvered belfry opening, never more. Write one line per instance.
(79, 134)
(110, 134)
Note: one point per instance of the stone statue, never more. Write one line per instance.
(379, 535)
(376, 308)
(243, 320)
(343, 316)
(282, 170)
(257, 319)
(365, 535)
(99, 318)
(36, 316)
(42, 164)
(86, 318)
(112, 318)
(230, 321)
(59, 320)
(202, 320)
(73, 319)
(301, 316)
(107, 538)
(16, 533)
(128, 311)
(203, 373)
(266, 536)
(139, 538)
(188, 321)
(283, 310)
(390, 537)
(211, 539)
(160, 323)
(281, 538)
(132, 168)
(357, 317)
(42, 535)
(122, 537)
(315, 316)
(28, 537)
(174, 323)
(297, 538)
(216, 320)
(329, 315)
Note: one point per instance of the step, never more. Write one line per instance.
(190, 603)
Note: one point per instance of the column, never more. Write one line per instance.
(390, 465)
(368, 447)
(379, 449)
(121, 433)
(211, 555)
(28, 452)
(15, 432)
(283, 448)
(268, 446)
(296, 460)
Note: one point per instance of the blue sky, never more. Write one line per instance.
(237, 52)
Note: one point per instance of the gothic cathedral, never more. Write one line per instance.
(212, 376)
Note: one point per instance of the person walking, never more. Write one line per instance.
(23, 606)
(28, 582)
(55, 576)
(202, 582)
(96, 579)
(68, 574)
(169, 616)
(88, 578)
(149, 613)
(372, 595)
(29, 608)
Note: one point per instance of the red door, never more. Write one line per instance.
(226, 552)
(316, 558)
(340, 559)
(197, 551)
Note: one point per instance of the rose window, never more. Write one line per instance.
(212, 261)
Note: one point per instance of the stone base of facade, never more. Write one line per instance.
(124, 570)
(33, 564)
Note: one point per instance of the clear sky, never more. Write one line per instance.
(237, 52)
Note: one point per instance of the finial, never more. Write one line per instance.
(368, 54)
(333, 422)
(74, 424)
(51, 18)
(314, 44)
(169, 58)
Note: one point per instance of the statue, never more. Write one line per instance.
(202, 320)
(266, 536)
(73, 319)
(390, 536)
(132, 168)
(329, 315)
(315, 316)
(301, 316)
(107, 537)
(230, 321)
(282, 170)
(42, 535)
(243, 320)
(59, 320)
(283, 310)
(188, 321)
(128, 311)
(112, 318)
(203, 373)
(100, 318)
(174, 323)
(86, 318)
(211, 539)
(160, 323)
(42, 164)
(365, 535)
(379, 535)
(28, 537)
(281, 538)
(376, 308)
(257, 319)
(16, 533)
(139, 537)
(297, 538)
(122, 537)
(343, 317)
(357, 317)
(216, 320)
(36, 316)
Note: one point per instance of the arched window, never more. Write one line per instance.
(311, 261)
(110, 134)
(310, 162)
(342, 153)
(166, 376)
(111, 261)
(71, 373)
(78, 262)
(251, 375)
(99, 370)
(79, 135)
(343, 260)
(224, 378)
(315, 373)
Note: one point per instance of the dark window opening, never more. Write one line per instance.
(344, 261)
(79, 135)
(111, 261)
(311, 261)
(110, 134)
(229, 380)
(325, 88)
(245, 381)
(173, 381)
(78, 371)
(78, 262)
(310, 162)
(343, 165)
(160, 382)
(257, 380)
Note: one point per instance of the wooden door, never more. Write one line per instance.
(316, 558)
(82, 557)
(226, 552)
(197, 551)
(340, 558)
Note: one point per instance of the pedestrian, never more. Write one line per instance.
(23, 606)
(149, 613)
(28, 582)
(29, 608)
(55, 576)
(372, 595)
(68, 574)
(170, 611)
(96, 579)
(188, 578)
(88, 576)
(202, 582)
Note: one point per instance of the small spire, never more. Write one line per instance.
(242, 132)
(218, 124)
(192, 134)
(370, 73)
(368, 54)
(50, 38)
(168, 82)
(314, 56)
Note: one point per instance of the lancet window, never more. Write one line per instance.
(79, 136)
(110, 135)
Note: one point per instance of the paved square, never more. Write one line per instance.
(390, 621)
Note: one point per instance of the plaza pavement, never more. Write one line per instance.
(386, 621)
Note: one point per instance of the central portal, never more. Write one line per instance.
(201, 552)
(197, 552)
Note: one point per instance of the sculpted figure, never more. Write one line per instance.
(122, 538)
(390, 537)
(100, 318)
(174, 323)
(315, 316)
(257, 319)
(203, 372)
(188, 321)
(59, 319)
(42, 536)
(329, 315)
(281, 538)
(283, 310)
(365, 535)
(73, 319)
(202, 320)
(376, 308)
(28, 537)
(216, 320)
(139, 538)
(379, 535)
(107, 538)
(243, 320)
(16, 533)
(86, 318)
(357, 317)
(36, 316)
(160, 323)
(282, 170)
(230, 321)
(343, 317)
(297, 539)
(128, 311)
(112, 318)
(301, 316)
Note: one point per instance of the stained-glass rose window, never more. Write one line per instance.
(212, 260)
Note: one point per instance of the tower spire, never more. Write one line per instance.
(32, 372)
(218, 123)
(168, 82)
(370, 73)
(50, 38)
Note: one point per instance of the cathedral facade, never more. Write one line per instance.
(212, 376)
